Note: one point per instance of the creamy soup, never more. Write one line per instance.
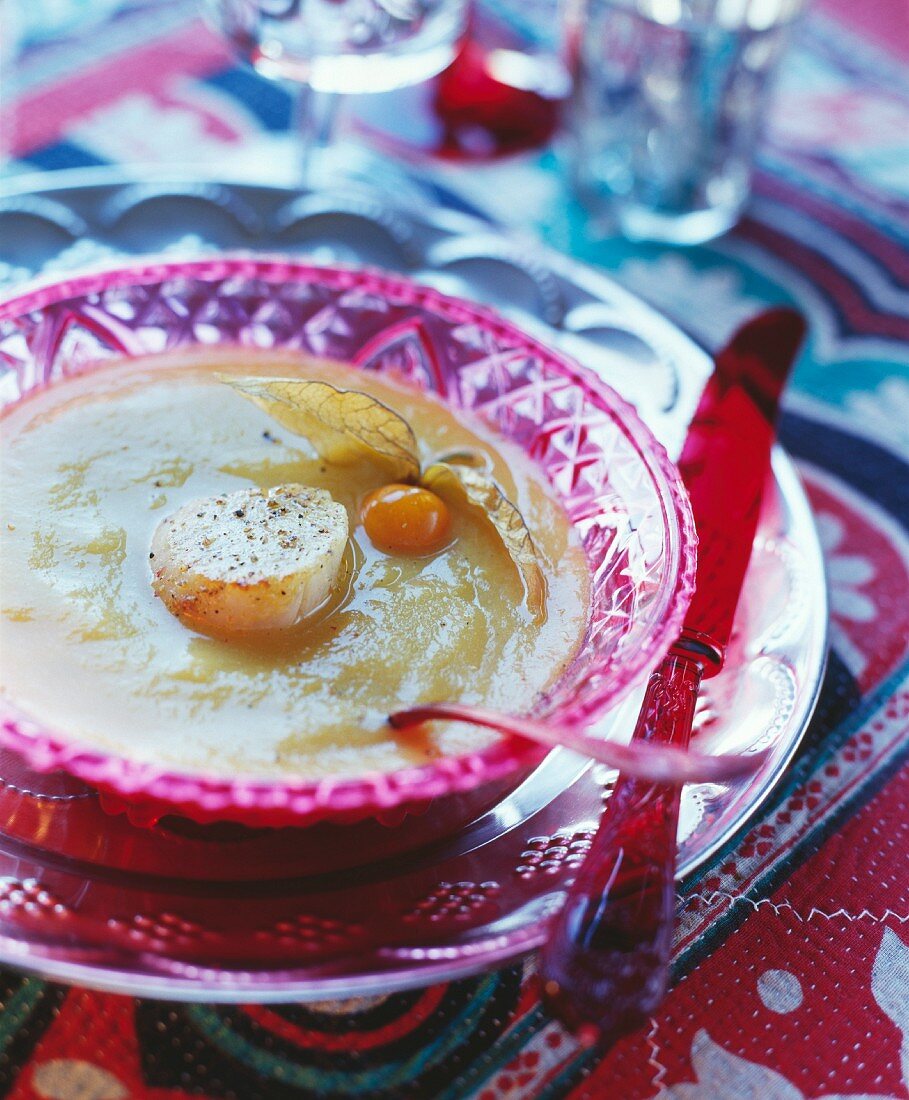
(91, 465)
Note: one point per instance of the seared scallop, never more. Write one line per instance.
(249, 560)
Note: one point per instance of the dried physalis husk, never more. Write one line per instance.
(479, 489)
(467, 456)
(342, 425)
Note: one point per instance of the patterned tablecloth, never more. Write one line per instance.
(792, 962)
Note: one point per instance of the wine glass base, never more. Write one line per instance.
(353, 74)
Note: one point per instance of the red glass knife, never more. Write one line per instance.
(605, 966)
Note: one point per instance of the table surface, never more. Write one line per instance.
(792, 957)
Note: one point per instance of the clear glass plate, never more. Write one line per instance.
(225, 913)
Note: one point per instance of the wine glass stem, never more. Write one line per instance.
(316, 118)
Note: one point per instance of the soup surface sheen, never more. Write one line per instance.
(92, 464)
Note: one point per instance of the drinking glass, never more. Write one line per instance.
(331, 47)
(669, 101)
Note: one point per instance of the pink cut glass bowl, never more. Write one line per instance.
(621, 493)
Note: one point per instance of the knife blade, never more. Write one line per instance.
(605, 965)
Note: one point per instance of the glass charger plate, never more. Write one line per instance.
(225, 913)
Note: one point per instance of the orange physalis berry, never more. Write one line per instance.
(406, 519)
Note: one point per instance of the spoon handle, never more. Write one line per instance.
(605, 965)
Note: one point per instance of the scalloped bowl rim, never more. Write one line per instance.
(198, 793)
